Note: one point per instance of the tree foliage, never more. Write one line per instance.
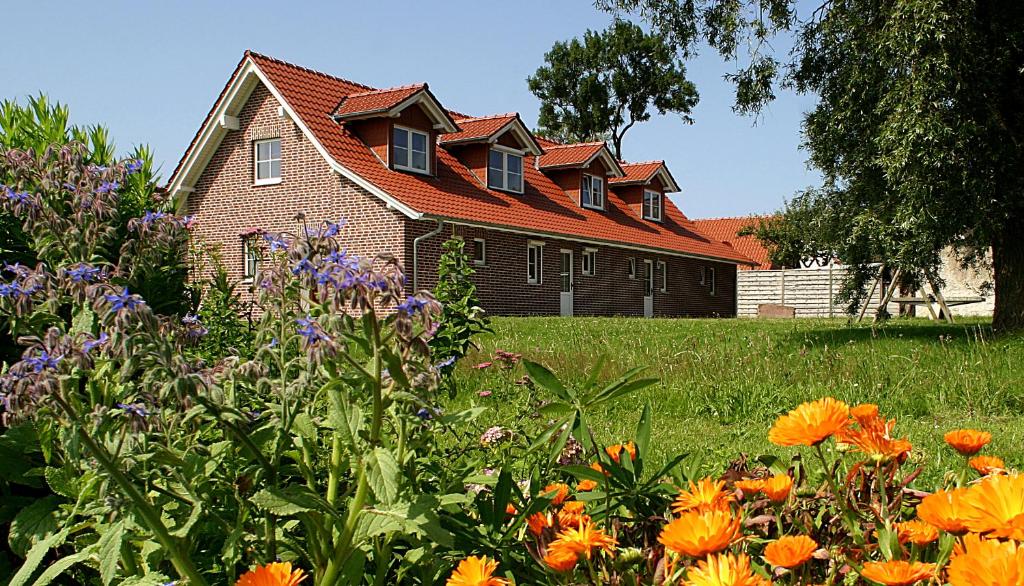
(600, 87)
(917, 127)
(462, 318)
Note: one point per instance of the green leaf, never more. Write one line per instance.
(383, 474)
(63, 564)
(154, 579)
(35, 556)
(62, 481)
(462, 417)
(643, 432)
(83, 321)
(274, 501)
(547, 380)
(584, 473)
(33, 524)
(110, 551)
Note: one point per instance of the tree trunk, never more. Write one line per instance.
(1008, 266)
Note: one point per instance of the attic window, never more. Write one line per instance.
(409, 150)
(652, 205)
(505, 171)
(592, 192)
(268, 161)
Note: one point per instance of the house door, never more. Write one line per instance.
(566, 274)
(648, 288)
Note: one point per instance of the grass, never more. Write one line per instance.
(723, 382)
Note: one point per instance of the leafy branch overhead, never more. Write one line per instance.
(600, 87)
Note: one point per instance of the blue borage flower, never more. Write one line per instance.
(97, 169)
(412, 305)
(445, 363)
(304, 266)
(194, 329)
(310, 330)
(124, 301)
(333, 228)
(276, 242)
(150, 217)
(91, 345)
(12, 196)
(108, 187)
(136, 409)
(43, 361)
(424, 414)
(133, 166)
(83, 273)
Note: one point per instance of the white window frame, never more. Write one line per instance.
(407, 165)
(703, 275)
(479, 251)
(589, 258)
(251, 258)
(504, 173)
(590, 181)
(649, 205)
(711, 280)
(663, 271)
(632, 269)
(256, 162)
(535, 269)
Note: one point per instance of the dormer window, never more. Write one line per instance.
(505, 170)
(409, 150)
(652, 205)
(592, 192)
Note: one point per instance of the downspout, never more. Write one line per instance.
(415, 253)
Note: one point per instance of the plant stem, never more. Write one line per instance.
(341, 553)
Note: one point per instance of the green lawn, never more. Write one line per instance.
(723, 382)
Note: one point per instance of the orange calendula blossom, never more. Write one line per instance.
(615, 452)
(538, 522)
(873, 437)
(274, 574)
(916, 532)
(698, 533)
(995, 507)
(986, 562)
(561, 492)
(706, 494)
(810, 423)
(945, 510)
(864, 412)
(584, 539)
(749, 486)
(897, 572)
(777, 487)
(476, 571)
(790, 551)
(571, 514)
(724, 570)
(561, 559)
(986, 465)
(586, 485)
(968, 441)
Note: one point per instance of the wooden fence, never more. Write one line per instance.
(811, 292)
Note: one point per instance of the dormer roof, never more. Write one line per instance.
(490, 129)
(391, 101)
(645, 172)
(578, 155)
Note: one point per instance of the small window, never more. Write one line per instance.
(268, 161)
(632, 268)
(409, 150)
(505, 171)
(250, 259)
(703, 275)
(663, 271)
(711, 280)
(592, 192)
(479, 251)
(652, 205)
(534, 263)
(589, 261)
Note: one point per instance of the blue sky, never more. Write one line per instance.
(150, 71)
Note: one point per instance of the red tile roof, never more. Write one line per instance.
(725, 229)
(455, 194)
(569, 155)
(376, 100)
(478, 128)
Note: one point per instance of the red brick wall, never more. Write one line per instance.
(226, 202)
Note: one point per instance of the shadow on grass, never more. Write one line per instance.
(957, 334)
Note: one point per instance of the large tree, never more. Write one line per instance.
(598, 88)
(918, 128)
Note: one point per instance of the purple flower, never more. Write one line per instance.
(273, 343)
(23, 197)
(304, 266)
(136, 409)
(83, 273)
(424, 414)
(11, 290)
(276, 242)
(133, 166)
(97, 169)
(70, 187)
(43, 361)
(411, 305)
(445, 363)
(333, 228)
(90, 345)
(108, 187)
(151, 217)
(194, 328)
(310, 330)
(124, 301)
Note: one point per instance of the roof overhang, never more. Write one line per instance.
(423, 98)
(602, 154)
(514, 126)
(661, 173)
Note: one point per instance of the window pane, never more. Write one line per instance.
(401, 156)
(515, 164)
(275, 168)
(419, 160)
(515, 182)
(275, 149)
(496, 160)
(494, 178)
(401, 138)
(262, 170)
(531, 263)
(262, 151)
(598, 192)
(419, 142)
(495, 170)
(585, 191)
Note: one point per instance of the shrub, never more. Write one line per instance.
(462, 318)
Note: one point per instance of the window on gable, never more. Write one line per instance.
(652, 205)
(592, 192)
(268, 161)
(534, 263)
(479, 251)
(589, 261)
(663, 271)
(409, 149)
(632, 268)
(505, 171)
(251, 257)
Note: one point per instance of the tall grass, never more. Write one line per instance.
(724, 381)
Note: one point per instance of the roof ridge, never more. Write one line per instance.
(307, 69)
(633, 164)
(718, 218)
(382, 90)
(578, 144)
(467, 118)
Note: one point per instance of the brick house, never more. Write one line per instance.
(553, 229)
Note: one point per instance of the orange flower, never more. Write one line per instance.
(986, 562)
(537, 522)
(995, 506)
(897, 572)
(917, 532)
(864, 412)
(707, 494)
(697, 533)
(560, 558)
(615, 452)
(597, 466)
(749, 486)
(986, 465)
(777, 487)
(511, 509)
(561, 492)
(474, 571)
(274, 574)
(586, 485)
(810, 423)
(571, 514)
(873, 437)
(583, 539)
(724, 570)
(790, 551)
(944, 510)
(968, 441)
